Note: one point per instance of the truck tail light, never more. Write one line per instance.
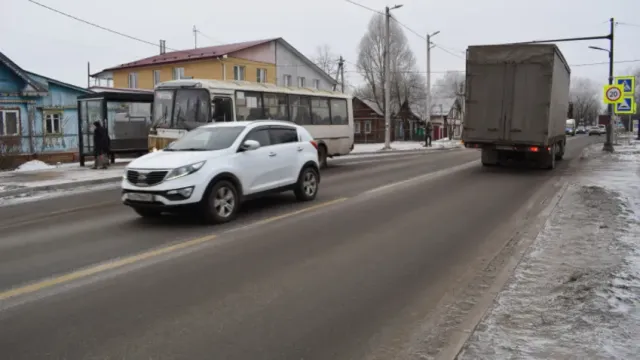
(534, 149)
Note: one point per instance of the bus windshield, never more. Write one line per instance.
(181, 108)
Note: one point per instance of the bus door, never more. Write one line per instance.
(222, 108)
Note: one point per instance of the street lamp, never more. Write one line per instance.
(428, 104)
(387, 85)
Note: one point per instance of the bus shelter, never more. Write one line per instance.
(125, 113)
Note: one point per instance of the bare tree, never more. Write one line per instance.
(326, 60)
(450, 85)
(585, 96)
(406, 83)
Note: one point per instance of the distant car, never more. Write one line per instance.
(581, 130)
(213, 168)
(597, 130)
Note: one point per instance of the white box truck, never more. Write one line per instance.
(517, 98)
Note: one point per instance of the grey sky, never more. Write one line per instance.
(53, 45)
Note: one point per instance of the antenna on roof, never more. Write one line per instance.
(195, 37)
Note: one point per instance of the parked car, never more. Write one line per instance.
(581, 130)
(212, 169)
(597, 130)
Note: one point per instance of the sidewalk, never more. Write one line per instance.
(36, 176)
(576, 293)
(402, 146)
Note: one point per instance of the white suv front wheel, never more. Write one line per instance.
(221, 203)
(306, 189)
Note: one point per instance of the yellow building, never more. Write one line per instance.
(272, 61)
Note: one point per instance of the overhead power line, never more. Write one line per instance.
(96, 25)
(461, 71)
(364, 7)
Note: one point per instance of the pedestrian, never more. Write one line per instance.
(100, 145)
(427, 134)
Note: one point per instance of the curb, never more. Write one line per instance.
(381, 152)
(62, 186)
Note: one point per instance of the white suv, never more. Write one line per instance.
(215, 167)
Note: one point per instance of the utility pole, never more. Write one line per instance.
(341, 69)
(387, 77)
(608, 143)
(387, 85)
(195, 37)
(428, 104)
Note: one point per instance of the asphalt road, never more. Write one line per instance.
(350, 276)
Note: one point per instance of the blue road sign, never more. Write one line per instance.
(627, 83)
(625, 106)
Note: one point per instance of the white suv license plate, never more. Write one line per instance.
(140, 197)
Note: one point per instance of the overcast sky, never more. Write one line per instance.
(50, 44)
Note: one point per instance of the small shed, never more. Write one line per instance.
(125, 113)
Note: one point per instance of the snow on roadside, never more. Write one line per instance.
(34, 165)
(52, 194)
(37, 165)
(405, 146)
(576, 293)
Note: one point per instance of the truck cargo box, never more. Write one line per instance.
(516, 94)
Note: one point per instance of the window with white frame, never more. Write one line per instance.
(286, 80)
(178, 73)
(367, 127)
(156, 77)
(261, 75)
(9, 122)
(356, 127)
(316, 84)
(53, 123)
(133, 80)
(301, 81)
(238, 72)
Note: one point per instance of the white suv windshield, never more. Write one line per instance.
(207, 139)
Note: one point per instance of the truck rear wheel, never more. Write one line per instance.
(551, 157)
(489, 157)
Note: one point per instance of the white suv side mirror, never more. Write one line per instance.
(250, 145)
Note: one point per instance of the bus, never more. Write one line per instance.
(183, 105)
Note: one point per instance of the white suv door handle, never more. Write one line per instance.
(300, 148)
(272, 154)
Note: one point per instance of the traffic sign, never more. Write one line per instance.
(628, 84)
(612, 94)
(626, 106)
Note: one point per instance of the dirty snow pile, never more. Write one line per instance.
(34, 165)
(406, 146)
(576, 293)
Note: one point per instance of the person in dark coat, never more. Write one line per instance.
(100, 145)
(427, 134)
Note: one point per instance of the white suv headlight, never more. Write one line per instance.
(184, 170)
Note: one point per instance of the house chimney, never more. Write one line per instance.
(163, 47)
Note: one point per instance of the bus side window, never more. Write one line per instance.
(249, 106)
(222, 109)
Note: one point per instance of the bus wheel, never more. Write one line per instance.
(322, 156)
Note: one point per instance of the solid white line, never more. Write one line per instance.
(421, 178)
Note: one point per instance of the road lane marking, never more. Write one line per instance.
(114, 264)
(425, 177)
(46, 216)
(287, 215)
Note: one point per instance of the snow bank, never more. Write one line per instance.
(34, 165)
(576, 294)
(405, 146)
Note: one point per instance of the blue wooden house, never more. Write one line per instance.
(38, 116)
